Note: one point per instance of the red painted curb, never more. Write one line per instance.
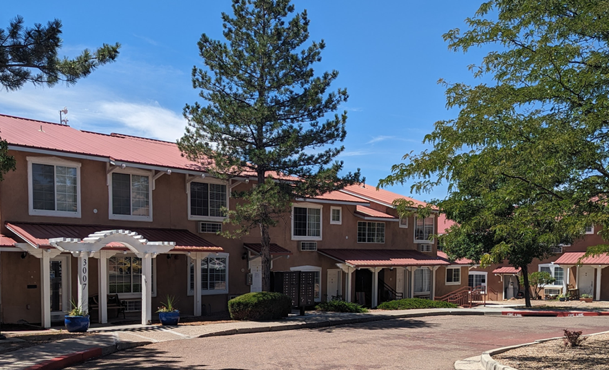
(68, 360)
(553, 313)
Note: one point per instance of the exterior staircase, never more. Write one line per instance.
(466, 296)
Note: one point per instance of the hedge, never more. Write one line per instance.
(412, 303)
(340, 306)
(260, 306)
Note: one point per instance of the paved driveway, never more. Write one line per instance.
(422, 343)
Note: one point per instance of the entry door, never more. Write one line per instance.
(586, 280)
(256, 271)
(60, 287)
(477, 280)
(334, 284)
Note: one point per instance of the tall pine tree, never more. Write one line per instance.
(267, 116)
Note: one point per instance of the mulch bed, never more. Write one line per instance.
(592, 354)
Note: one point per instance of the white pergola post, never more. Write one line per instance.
(196, 257)
(45, 270)
(348, 283)
(102, 267)
(375, 285)
(599, 270)
(433, 280)
(399, 280)
(411, 269)
(146, 288)
(83, 282)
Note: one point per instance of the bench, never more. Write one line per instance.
(112, 303)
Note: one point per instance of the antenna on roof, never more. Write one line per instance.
(63, 121)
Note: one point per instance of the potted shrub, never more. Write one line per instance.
(77, 320)
(586, 298)
(561, 297)
(168, 314)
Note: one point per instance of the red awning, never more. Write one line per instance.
(506, 270)
(257, 247)
(382, 257)
(572, 258)
(38, 235)
(6, 242)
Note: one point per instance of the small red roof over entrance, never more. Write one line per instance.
(5, 241)
(506, 270)
(572, 258)
(383, 257)
(275, 249)
(39, 235)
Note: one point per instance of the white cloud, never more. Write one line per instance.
(354, 153)
(378, 139)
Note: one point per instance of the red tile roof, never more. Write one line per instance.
(460, 261)
(506, 270)
(444, 223)
(381, 196)
(5, 241)
(39, 235)
(369, 212)
(382, 257)
(572, 258)
(340, 197)
(275, 249)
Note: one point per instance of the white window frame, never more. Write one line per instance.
(414, 233)
(590, 228)
(207, 218)
(371, 222)
(552, 267)
(484, 273)
(340, 215)
(131, 295)
(458, 268)
(190, 292)
(130, 171)
(403, 222)
(430, 281)
(321, 222)
(308, 268)
(52, 161)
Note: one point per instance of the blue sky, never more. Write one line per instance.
(390, 56)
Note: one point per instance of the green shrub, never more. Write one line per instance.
(412, 303)
(260, 306)
(340, 306)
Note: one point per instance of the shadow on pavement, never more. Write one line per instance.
(381, 325)
(139, 358)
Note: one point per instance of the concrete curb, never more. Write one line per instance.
(554, 313)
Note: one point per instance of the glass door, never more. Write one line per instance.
(477, 280)
(60, 294)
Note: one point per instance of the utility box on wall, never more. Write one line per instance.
(298, 285)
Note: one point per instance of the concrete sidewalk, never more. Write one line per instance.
(106, 340)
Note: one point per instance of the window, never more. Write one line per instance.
(404, 223)
(424, 248)
(423, 229)
(453, 275)
(422, 279)
(336, 215)
(306, 223)
(54, 187)
(590, 229)
(370, 232)
(130, 196)
(206, 200)
(555, 271)
(317, 270)
(477, 280)
(125, 276)
(214, 275)
(308, 246)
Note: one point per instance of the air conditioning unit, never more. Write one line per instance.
(424, 248)
(556, 249)
(210, 227)
(308, 246)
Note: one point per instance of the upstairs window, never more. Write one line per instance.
(370, 232)
(336, 215)
(306, 223)
(54, 187)
(423, 229)
(206, 200)
(130, 196)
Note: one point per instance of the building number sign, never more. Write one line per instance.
(84, 269)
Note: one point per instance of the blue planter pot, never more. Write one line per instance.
(169, 318)
(77, 323)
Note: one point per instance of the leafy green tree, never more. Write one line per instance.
(538, 280)
(525, 160)
(267, 115)
(30, 55)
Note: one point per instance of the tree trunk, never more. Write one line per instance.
(527, 289)
(265, 254)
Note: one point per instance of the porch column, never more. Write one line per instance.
(45, 270)
(411, 269)
(349, 271)
(433, 281)
(102, 267)
(599, 270)
(83, 282)
(399, 280)
(146, 289)
(375, 285)
(197, 284)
